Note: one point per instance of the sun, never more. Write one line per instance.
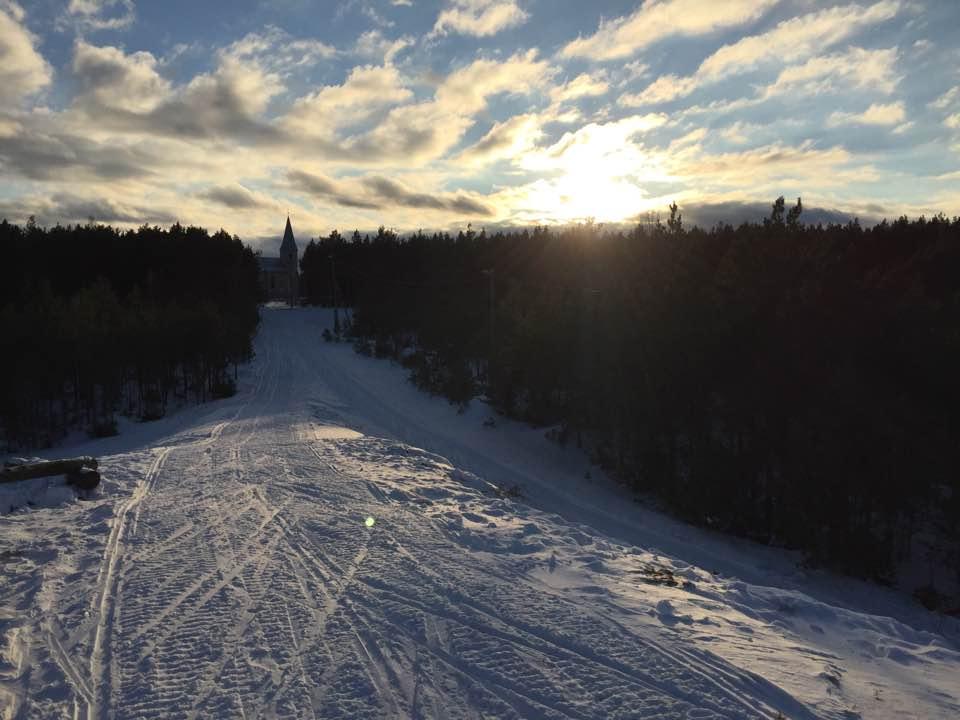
(598, 172)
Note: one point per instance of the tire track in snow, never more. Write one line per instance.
(544, 643)
(104, 605)
(66, 663)
(266, 378)
(720, 675)
(207, 684)
(100, 672)
(323, 576)
(225, 578)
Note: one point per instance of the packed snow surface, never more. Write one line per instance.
(332, 544)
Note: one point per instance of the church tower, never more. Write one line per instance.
(288, 257)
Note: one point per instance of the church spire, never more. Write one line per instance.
(289, 243)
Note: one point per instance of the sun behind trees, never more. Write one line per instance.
(794, 384)
(98, 322)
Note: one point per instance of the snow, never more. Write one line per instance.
(46, 492)
(227, 568)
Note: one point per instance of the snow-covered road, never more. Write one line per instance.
(286, 554)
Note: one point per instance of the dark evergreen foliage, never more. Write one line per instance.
(794, 384)
(96, 321)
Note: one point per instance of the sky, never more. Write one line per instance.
(435, 114)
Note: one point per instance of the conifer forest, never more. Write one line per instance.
(97, 321)
(789, 383)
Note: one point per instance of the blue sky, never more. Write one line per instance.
(410, 113)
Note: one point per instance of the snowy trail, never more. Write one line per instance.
(228, 571)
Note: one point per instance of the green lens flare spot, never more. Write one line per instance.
(369, 522)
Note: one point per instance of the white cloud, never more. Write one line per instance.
(115, 79)
(277, 51)
(658, 19)
(803, 164)
(467, 89)
(607, 145)
(876, 114)
(797, 38)
(480, 18)
(663, 89)
(366, 89)
(740, 132)
(376, 192)
(790, 41)
(509, 139)
(947, 99)
(102, 14)
(23, 71)
(584, 85)
(13, 9)
(423, 131)
(855, 68)
(124, 94)
(238, 197)
(130, 134)
(373, 44)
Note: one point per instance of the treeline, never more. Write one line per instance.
(96, 321)
(795, 384)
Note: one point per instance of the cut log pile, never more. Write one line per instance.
(81, 472)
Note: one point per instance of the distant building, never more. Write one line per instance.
(279, 276)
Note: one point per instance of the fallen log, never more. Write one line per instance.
(83, 479)
(28, 471)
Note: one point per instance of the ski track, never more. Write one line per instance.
(239, 579)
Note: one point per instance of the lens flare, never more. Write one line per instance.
(369, 522)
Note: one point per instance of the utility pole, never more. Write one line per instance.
(333, 292)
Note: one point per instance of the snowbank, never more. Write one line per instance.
(44, 492)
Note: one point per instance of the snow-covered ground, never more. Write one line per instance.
(332, 543)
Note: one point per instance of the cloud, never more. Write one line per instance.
(49, 156)
(365, 89)
(102, 14)
(584, 85)
(947, 99)
(69, 208)
(23, 71)
(740, 132)
(235, 196)
(479, 18)
(276, 51)
(115, 79)
(790, 41)
(804, 165)
(375, 131)
(876, 114)
(655, 20)
(608, 148)
(377, 192)
(395, 194)
(373, 44)
(224, 103)
(855, 68)
(508, 139)
(663, 89)
(318, 186)
(797, 38)
(596, 171)
(467, 89)
(424, 131)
